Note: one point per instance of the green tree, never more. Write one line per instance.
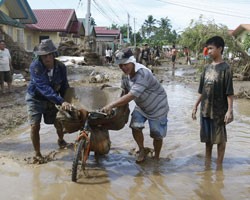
(157, 32)
(246, 42)
(198, 32)
(149, 25)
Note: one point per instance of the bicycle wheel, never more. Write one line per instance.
(78, 159)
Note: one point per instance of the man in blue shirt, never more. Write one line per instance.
(48, 84)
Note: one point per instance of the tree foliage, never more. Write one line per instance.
(246, 42)
(158, 32)
(196, 35)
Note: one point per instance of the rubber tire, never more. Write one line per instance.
(78, 155)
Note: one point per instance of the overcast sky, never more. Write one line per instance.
(180, 12)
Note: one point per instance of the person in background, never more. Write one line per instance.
(173, 58)
(47, 87)
(110, 52)
(151, 101)
(5, 67)
(216, 98)
(107, 55)
(145, 55)
(205, 54)
(186, 52)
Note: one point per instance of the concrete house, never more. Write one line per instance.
(106, 38)
(14, 14)
(56, 24)
(241, 32)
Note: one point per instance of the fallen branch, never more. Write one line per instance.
(246, 94)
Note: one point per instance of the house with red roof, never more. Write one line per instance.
(56, 24)
(14, 14)
(241, 32)
(106, 38)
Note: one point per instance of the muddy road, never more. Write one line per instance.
(180, 173)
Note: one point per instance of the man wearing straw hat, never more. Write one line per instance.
(48, 84)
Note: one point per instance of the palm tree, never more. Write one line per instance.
(149, 25)
(165, 24)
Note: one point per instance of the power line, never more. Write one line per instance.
(204, 10)
(102, 11)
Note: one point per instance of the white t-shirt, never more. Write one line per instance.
(5, 60)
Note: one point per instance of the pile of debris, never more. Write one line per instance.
(21, 59)
(69, 48)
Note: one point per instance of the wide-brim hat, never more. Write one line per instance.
(124, 56)
(45, 47)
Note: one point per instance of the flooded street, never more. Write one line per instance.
(180, 173)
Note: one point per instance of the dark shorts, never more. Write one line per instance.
(37, 108)
(5, 77)
(158, 128)
(212, 132)
(173, 58)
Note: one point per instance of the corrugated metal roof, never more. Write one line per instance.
(105, 31)
(53, 19)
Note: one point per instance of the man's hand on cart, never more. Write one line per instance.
(108, 109)
(66, 106)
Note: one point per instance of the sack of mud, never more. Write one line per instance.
(100, 141)
(116, 121)
(92, 98)
(71, 120)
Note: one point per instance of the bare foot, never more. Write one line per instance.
(141, 156)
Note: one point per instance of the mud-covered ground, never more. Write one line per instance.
(13, 108)
(12, 105)
(182, 156)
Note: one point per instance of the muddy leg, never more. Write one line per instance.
(157, 148)
(35, 138)
(59, 129)
(209, 148)
(139, 138)
(220, 153)
(2, 87)
(9, 86)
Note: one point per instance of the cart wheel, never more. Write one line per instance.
(78, 159)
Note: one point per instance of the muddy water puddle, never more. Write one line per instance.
(180, 174)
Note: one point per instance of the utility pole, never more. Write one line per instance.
(120, 36)
(87, 20)
(87, 29)
(134, 34)
(128, 29)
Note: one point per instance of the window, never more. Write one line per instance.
(29, 43)
(10, 31)
(43, 37)
(20, 37)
